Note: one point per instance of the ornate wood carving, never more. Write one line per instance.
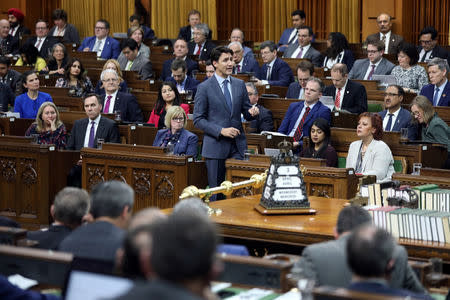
(95, 175)
(8, 169)
(29, 174)
(142, 181)
(321, 190)
(164, 185)
(117, 173)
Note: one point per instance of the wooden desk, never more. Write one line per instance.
(442, 181)
(444, 113)
(14, 126)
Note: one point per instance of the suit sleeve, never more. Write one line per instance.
(286, 120)
(114, 136)
(409, 280)
(115, 49)
(266, 123)
(317, 60)
(307, 266)
(83, 45)
(146, 71)
(192, 145)
(361, 101)
(201, 118)
(134, 110)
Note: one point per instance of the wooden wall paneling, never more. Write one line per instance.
(316, 16)
(431, 13)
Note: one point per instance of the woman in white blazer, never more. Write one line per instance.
(370, 155)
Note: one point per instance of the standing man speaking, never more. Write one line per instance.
(219, 102)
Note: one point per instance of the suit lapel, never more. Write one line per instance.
(234, 92)
(100, 129)
(218, 88)
(117, 103)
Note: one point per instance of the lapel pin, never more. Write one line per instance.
(443, 95)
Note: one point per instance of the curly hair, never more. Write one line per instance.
(377, 123)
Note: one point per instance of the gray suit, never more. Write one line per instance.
(141, 64)
(361, 65)
(312, 54)
(326, 263)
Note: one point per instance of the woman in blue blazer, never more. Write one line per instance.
(185, 142)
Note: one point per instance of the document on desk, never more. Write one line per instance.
(253, 294)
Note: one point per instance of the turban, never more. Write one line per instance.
(16, 13)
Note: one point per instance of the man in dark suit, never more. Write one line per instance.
(219, 103)
(179, 77)
(105, 46)
(180, 51)
(322, 261)
(274, 71)
(237, 35)
(8, 76)
(374, 64)
(371, 258)
(438, 91)
(201, 46)
(111, 205)
(114, 101)
(394, 116)
(243, 63)
(70, 206)
(289, 35)
(131, 60)
(296, 90)
(391, 41)
(303, 48)
(85, 132)
(348, 95)
(428, 48)
(263, 121)
(42, 41)
(300, 115)
(6, 97)
(135, 21)
(187, 32)
(8, 43)
(15, 18)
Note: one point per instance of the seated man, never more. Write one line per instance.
(70, 206)
(274, 71)
(428, 48)
(115, 101)
(372, 260)
(296, 90)
(180, 51)
(42, 41)
(390, 40)
(15, 18)
(187, 32)
(179, 77)
(9, 45)
(111, 205)
(201, 46)
(289, 35)
(300, 115)
(303, 48)
(209, 69)
(374, 64)
(326, 262)
(10, 291)
(8, 76)
(131, 61)
(348, 95)
(438, 91)
(263, 121)
(6, 97)
(394, 116)
(135, 21)
(243, 63)
(105, 46)
(237, 35)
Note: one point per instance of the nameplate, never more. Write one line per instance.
(288, 195)
(287, 170)
(287, 182)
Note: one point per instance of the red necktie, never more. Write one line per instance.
(108, 101)
(337, 100)
(199, 50)
(298, 132)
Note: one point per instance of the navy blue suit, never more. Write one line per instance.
(50, 238)
(206, 51)
(248, 65)
(428, 91)
(187, 142)
(284, 39)
(263, 121)
(380, 288)
(281, 73)
(403, 121)
(293, 90)
(355, 97)
(167, 67)
(190, 84)
(111, 49)
(128, 106)
(6, 97)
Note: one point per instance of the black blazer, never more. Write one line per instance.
(21, 31)
(50, 238)
(204, 55)
(263, 121)
(107, 129)
(6, 97)
(437, 52)
(355, 97)
(12, 79)
(10, 44)
(47, 45)
(185, 33)
(70, 35)
(128, 106)
(167, 67)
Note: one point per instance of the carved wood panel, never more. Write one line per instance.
(164, 188)
(142, 184)
(321, 190)
(117, 173)
(8, 175)
(96, 174)
(28, 203)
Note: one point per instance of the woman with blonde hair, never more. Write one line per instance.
(113, 65)
(48, 127)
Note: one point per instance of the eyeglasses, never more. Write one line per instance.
(178, 119)
(41, 28)
(110, 80)
(415, 114)
(252, 94)
(372, 51)
(303, 79)
(390, 94)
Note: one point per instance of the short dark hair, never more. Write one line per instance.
(41, 20)
(351, 217)
(268, 44)
(217, 52)
(369, 251)
(377, 43)
(108, 199)
(306, 65)
(89, 95)
(178, 63)
(208, 62)
(429, 30)
(135, 17)
(129, 43)
(70, 206)
(193, 12)
(23, 80)
(59, 14)
(411, 51)
(400, 90)
(104, 22)
(377, 123)
(300, 13)
(4, 60)
(310, 31)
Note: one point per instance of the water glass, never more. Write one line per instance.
(404, 134)
(169, 148)
(436, 268)
(100, 143)
(117, 115)
(416, 168)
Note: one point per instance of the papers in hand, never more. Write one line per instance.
(272, 133)
(22, 282)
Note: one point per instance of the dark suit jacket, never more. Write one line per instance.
(6, 97)
(51, 238)
(12, 79)
(249, 64)
(293, 90)
(46, 47)
(428, 91)
(187, 143)
(21, 31)
(263, 121)
(167, 67)
(281, 74)
(107, 129)
(437, 52)
(206, 51)
(128, 106)
(312, 54)
(355, 97)
(190, 84)
(11, 44)
(403, 121)
(185, 33)
(70, 34)
(111, 49)
(379, 288)
(394, 43)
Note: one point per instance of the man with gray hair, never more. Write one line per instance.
(201, 46)
(263, 121)
(438, 91)
(70, 206)
(237, 35)
(243, 63)
(274, 71)
(8, 43)
(391, 40)
(111, 206)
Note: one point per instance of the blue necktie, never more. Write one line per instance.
(435, 98)
(389, 123)
(92, 135)
(226, 93)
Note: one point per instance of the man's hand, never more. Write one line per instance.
(86, 49)
(254, 110)
(230, 132)
(295, 144)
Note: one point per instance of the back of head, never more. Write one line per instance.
(351, 217)
(191, 205)
(146, 216)
(70, 206)
(108, 199)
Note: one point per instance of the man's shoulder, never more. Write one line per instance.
(112, 40)
(79, 122)
(352, 84)
(324, 247)
(280, 62)
(386, 62)
(360, 61)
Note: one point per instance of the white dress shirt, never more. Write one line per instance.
(305, 49)
(112, 101)
(370, 68)
(300, 117)
(394, 119)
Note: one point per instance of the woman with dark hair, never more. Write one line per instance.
(75, 78)
(167, 97)
(338, 51)
(370, 155)
(67, 31)
(57, 61)
(409, 75)
(29, 56)
(319, 147)
(28, 103)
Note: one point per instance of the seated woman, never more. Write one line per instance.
(29, 56)
(113, 65)
(48, 127)
(431, 127)
(75, 78)
(57, 61)
(338, 51)
(370, 155)
(185, 142)
(319, 147)
(409, 75)
(137, 34)
(28, 103)
(167, 97)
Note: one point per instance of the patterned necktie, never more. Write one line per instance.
(298, 132)
(227, 94)
(369, 77)
(299, 55)
(129, 64)
(92, 135)
(97, 47)
(293, 37)
(383, 39)
(337, 99)
(389, 123)
(108, 102)
(268, 73)
(435, 98)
